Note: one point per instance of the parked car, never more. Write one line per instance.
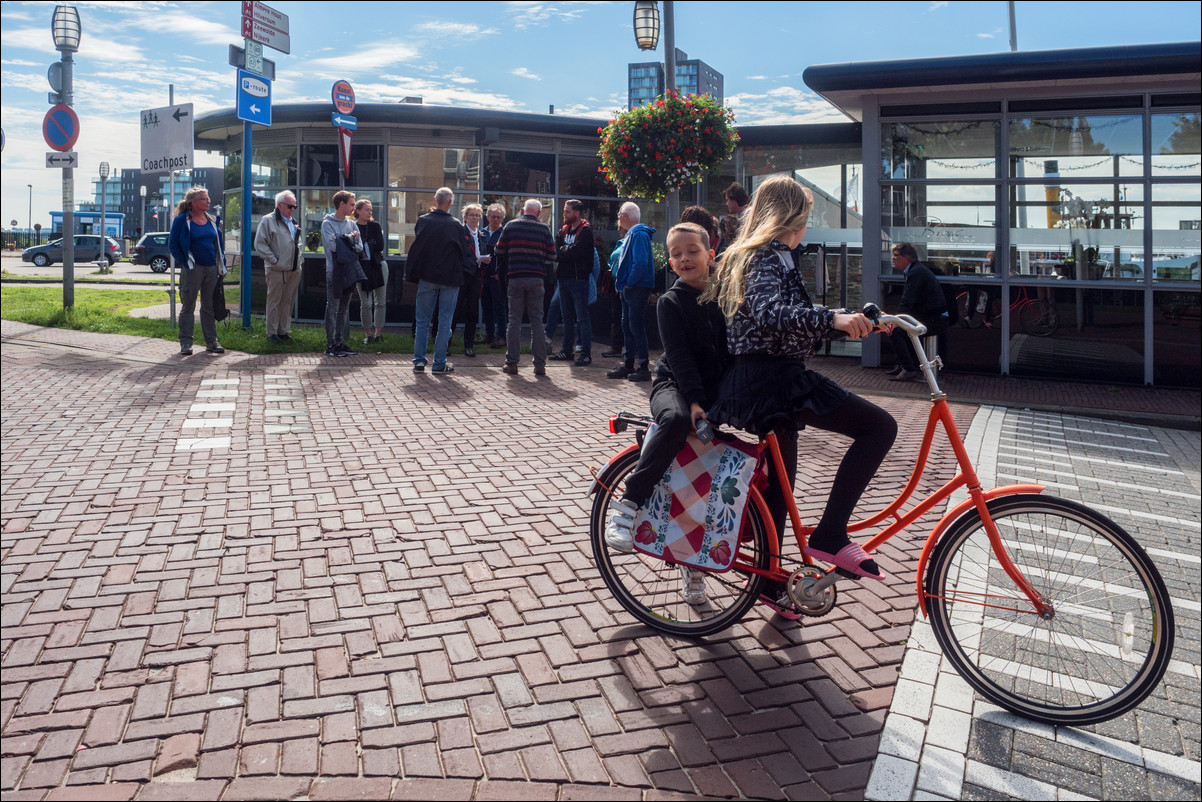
(152, 250)
(88, 248)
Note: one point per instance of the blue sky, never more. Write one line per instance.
(520, 56)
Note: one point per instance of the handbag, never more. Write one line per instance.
(694, 514)
(220, 310)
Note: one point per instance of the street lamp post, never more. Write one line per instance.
(646, 36)
(142, 213)
(29, 231)
(66, 30)
(104, 180)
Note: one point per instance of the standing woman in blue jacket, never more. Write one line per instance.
(195, 242)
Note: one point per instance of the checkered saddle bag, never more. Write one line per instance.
(694, 514)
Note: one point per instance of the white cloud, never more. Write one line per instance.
(370, 60)
(782, 105)
(531, 13)
(522, 72)
(16, 62)
(391, 88)
(601, 109)
(937, 5)
(757, 77)
(457, 30)
(990, 35)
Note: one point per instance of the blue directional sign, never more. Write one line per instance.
(254, 98)
(344, 121)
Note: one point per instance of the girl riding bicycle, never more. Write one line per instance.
(772, 328)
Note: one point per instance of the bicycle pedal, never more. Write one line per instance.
(843, 572)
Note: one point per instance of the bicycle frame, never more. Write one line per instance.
(966, 477)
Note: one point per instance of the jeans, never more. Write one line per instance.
(554, 319)
(526, 295)
(338, 315)
(493, 301)
(373, 306)
(573, 300)
(429, 296)
(634, 322)
(202, 280)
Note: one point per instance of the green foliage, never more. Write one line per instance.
(660, 146)
(107, 311)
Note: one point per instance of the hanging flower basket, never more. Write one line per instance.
(667, 143)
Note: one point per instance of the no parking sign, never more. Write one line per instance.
(60, 128)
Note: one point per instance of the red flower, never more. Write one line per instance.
(720, 553)
(645, 534)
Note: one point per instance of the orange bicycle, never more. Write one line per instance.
(1037, 316)
(1044, 606)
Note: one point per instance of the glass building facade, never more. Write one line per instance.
(1065, 225)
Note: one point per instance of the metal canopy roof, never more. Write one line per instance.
(1122, 66)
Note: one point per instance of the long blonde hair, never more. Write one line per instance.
(780, 205)
(185, 205)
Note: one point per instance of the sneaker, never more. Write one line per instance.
(419, 367)
(214, 348)
(619, 529)
(905, 376)
(583, 360)
(620, 372)
(511, 368)
(332, 351)
(693, 591)
(643, 374)
(540, 370)
(367, 340)
(275, 339)
(560, 356)
(446, 367)
(377, 339)
(345, 349)
(469, 351)
(611, 354)
(185, 350)
(284, 337)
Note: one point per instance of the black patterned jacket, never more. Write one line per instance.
(777, 317)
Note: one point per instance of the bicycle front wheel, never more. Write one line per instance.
(1104, 646)
(650, 589)
(1038, 318)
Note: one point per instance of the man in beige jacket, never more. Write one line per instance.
(277, 241)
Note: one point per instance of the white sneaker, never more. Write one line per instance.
(693, 591)
(619, 529)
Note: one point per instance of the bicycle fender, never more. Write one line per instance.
(951, 517)
(600, 475)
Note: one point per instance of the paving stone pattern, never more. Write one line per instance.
(394, 598)
(1147, 480)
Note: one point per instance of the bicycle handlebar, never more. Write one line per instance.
(906, 323)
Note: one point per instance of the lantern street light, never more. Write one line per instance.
(646, 36)
(66, 30)
(646, 24)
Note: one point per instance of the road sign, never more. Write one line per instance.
(254, 57)
(238, 60)
(343, 97)
(269, 36)
(60, 128)
(265, 14)
(167, 142)
(344, 121)
(254, 98)
(344, 141)
(66, 159)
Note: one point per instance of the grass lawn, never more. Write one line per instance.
(107, 311)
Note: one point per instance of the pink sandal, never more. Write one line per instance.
(848, 558)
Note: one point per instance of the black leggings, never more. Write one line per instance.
(872, 431)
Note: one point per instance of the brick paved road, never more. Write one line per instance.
(275, 578)
(1147, 480)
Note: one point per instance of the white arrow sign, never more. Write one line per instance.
(67, 158)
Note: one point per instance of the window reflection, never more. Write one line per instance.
(951, 226)
(516, 171)
(1076, 147)
(961, 149)
(1077, 231)
(1177, 145)
(413, 167)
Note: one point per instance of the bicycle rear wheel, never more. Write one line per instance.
(649, 588)
(1108, 640)
(1038, 318)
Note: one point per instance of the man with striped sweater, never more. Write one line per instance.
(527, 249)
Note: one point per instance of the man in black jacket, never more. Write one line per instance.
(923, 298)
(437, 260)
(574, 252)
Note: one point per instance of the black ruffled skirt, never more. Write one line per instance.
(760, 394)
